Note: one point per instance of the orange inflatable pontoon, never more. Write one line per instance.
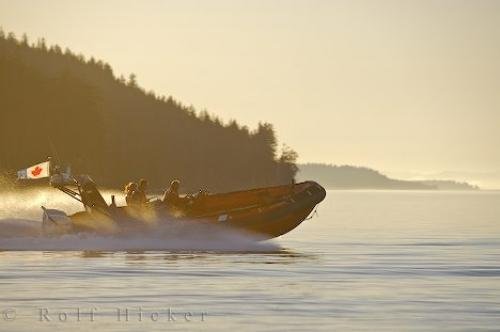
(264, 212)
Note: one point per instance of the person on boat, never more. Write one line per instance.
(141, 191)
(131, 194)
(171, 195)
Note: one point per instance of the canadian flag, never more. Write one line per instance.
(35, 172)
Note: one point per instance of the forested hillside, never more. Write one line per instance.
(54, 102)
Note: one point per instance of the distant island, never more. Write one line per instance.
(353, 177)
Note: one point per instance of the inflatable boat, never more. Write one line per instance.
(264, 212)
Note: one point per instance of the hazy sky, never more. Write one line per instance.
(396, 85)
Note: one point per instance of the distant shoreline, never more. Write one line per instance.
(346, 177)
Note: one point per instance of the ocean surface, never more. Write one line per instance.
(369, 261)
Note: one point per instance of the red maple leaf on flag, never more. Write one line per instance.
(37, 171)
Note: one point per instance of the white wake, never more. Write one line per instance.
(21, 229)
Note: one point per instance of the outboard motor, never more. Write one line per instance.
(55, 222)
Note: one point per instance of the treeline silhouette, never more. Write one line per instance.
(55, 102)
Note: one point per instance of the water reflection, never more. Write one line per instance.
(279, 256)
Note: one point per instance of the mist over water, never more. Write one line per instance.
(21, 229)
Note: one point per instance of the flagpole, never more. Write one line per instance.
(49, 159)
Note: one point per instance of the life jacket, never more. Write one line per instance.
(133, 198)
(140, 196)
(171, 198)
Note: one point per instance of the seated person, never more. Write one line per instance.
(141, 191)
(171, 195)
(131, 194)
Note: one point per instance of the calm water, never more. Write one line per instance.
(370, 261)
